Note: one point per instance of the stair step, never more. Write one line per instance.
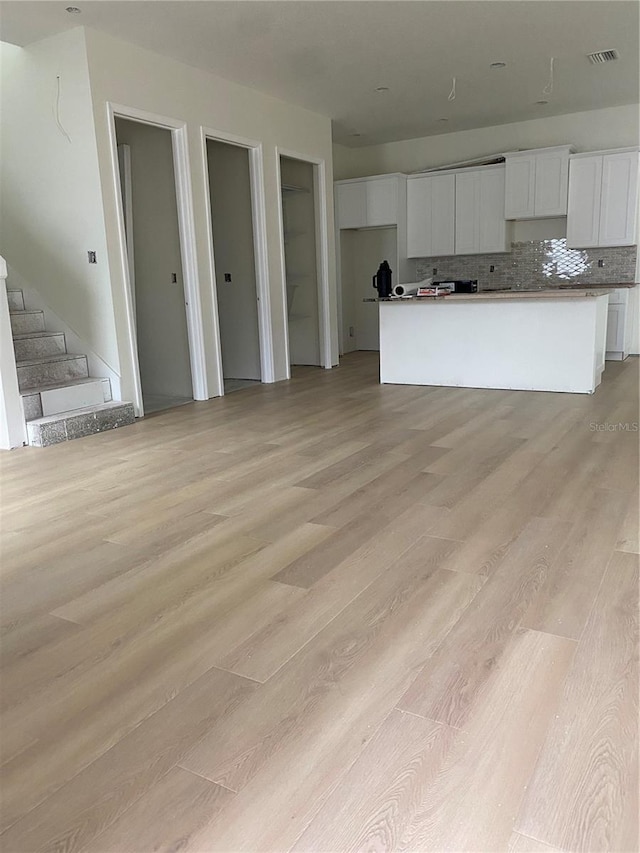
(26, 321)
(38, 344)
(46, 400)
(15, 300)
(66, 426)
(51, 370)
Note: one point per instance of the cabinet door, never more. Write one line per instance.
(551, 183)
(615, 328)
(467, 213)
(493, 228)
(583, 211)
(351, 204)
(520, 187)
(382, 202)
(618, 202)
(430, 216)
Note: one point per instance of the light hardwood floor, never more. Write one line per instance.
(327, 615)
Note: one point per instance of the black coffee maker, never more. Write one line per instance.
(382, 280)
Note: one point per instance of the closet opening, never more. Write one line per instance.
(302, 261)
(154, 258)
(233, 236)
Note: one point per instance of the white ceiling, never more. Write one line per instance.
(330, 56)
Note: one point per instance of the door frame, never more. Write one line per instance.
(322, 253)
(259, 226)
(186, 230)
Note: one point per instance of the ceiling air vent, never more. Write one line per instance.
(603, 56)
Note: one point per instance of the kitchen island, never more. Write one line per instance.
(542, 340)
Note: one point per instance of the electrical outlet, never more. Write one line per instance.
(492, 268)
(434, 271)
(227, 276)
(92, 257)
(600, 262)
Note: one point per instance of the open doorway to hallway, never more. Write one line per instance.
(147, 178)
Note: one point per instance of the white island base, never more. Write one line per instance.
(542, 341)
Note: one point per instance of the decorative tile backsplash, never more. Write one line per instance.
(537, 263)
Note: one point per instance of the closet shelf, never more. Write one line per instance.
(292, 188)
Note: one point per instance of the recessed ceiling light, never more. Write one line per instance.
(498, 65)
(355, 134)
(443, 119)
(73, 10)
(541, 103)
(382, 88)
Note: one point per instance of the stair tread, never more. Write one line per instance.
(72, 413)
(50, 359)
(25, 336)
(54, 386)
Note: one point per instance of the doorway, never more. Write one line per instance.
(152, 233)
(301, 260)
(232, 234)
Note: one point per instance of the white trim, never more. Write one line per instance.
(13, 432)
(186, 228)
(259, 225)
(322, 252)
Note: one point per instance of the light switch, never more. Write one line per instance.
(227, 276)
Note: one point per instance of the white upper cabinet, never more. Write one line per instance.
(618, 200)
(368, 202)
(382, 202)
(585, 189)
(480, 222)
(536, 183)
(603, 198)
(430, 215)
(456, 213)
(351, 204)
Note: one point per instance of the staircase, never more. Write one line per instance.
(59, 398)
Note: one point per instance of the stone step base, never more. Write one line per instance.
(67, 426)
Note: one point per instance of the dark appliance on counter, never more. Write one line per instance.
(461, 285)
(382, 281)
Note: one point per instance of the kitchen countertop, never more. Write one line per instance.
(484, 296)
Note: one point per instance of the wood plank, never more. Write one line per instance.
(165, 818)
(321, 705)
(582, 795)
(93, 800)
(464, 667)
(416, 785)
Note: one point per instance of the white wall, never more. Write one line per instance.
(614, 127)
(230, 190)
(130, 76)
(161, 322)
(50, 196)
